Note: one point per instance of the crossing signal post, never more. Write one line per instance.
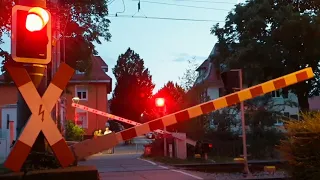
(233, 81)
(31, 46)
(31, 35)
(161, 105)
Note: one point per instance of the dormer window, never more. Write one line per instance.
(79, 72)
(104, 68)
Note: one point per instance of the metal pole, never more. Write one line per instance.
(243, 124)
(38, 75)
(165, 138)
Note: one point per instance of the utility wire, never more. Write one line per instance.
(198, 7)
(111, 2)
(203, 1)
(163, 18)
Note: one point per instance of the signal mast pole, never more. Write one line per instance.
(38, 75)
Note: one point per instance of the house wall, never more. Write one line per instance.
(97, 99)
(281, 104)
(11, 111)
(8, 96)
(314, 103)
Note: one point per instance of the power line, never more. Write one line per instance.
(203, 1)
(110, 2)
(162, 18)
(198, 7)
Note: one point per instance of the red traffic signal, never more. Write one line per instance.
(31, 35)
(160, 102)
(37, 19)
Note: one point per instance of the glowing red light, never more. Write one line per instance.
(210, 145)
(34, 22)
(36, 19)
(160, 102)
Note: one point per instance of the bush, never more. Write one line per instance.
(263, 143)
(73, 132)
(302, 145)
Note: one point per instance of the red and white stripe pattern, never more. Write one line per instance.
(40, 119)
(90, 147)
(111, 116)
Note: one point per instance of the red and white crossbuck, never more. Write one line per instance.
(40, 119)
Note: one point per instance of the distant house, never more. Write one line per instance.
(91, 90)
(214, 88)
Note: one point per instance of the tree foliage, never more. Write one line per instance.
(271, 38)
(133, 88)
(173, 95)
(81, 22)
(190, 75)
(73, 132)
(301, 146)
(262, 113)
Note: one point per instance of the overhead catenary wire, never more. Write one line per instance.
(181, 5)
(163, 18)
(110, 2)
(205, 1)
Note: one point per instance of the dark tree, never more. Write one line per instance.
(133, 88)
(173, 95)
(271, 38)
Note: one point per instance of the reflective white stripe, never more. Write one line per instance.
(31, 131)
(119, 137)
(141, 129)
(34, 102)
(93, 146)
(51, 96)
(111, 116)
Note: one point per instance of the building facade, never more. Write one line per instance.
(92, 91)
(209, 77)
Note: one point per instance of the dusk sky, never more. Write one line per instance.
(165, 45)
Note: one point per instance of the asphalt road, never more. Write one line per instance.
(130, 166)
(125, 164)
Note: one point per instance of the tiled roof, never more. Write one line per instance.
(211, 76)
(97, 73)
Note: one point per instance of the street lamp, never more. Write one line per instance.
(75, 100)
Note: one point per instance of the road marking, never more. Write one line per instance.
(187, 174)
(163, 167)
(153, 163)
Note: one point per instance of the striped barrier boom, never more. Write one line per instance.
(111, 116)
(93, 146)
(40, 119)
